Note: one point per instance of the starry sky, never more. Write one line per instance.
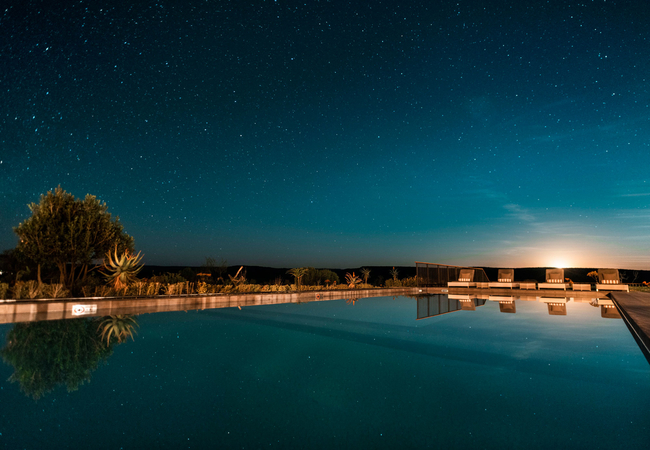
(337, 134)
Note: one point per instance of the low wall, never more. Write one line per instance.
(71, 308)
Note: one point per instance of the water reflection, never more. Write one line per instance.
(47, 354)
(431, 305)
(506, 303)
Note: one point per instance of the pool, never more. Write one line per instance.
(382, 372)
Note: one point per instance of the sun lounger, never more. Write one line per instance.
(465, 279)
(554, 280)
(582, 286)
(505, 279)
(610, 280)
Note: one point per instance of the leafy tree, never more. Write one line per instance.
(49, 353)
(70, 233)
(315, 277)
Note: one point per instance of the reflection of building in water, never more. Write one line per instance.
(556, 305)
(506, 303)
(437, 304)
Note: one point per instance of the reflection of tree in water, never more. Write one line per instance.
(49, 353)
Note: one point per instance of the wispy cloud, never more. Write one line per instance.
(641, 194)
(519, 212)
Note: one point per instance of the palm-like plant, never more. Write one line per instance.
(120, 327)
(365, 273)
(394, 273)
(120, 271)
(298, 273)
(352, 280)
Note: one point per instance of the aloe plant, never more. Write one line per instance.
(121, 271)
(352, 280)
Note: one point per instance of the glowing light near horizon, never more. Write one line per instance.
(560, 263)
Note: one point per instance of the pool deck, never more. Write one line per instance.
(634, 308)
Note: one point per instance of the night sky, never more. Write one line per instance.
(337, 134)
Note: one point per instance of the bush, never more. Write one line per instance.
(168, 278)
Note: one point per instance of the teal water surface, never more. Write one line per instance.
(366, 374)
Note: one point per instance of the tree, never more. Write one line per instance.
(70, 233)
(316, 277)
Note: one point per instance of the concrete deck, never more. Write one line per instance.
(634, 308)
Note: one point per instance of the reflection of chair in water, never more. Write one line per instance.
(610, 280)
(556, 305)
(506, 303)
(554, 280)
(465, 279)
(467, 302)
(468, 305)
(607, 308)
(506, 279)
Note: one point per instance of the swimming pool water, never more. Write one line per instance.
(368, 374)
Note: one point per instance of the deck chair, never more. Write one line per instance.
(465, 279)
(506, 279)
(554, 280)
(610, 280)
